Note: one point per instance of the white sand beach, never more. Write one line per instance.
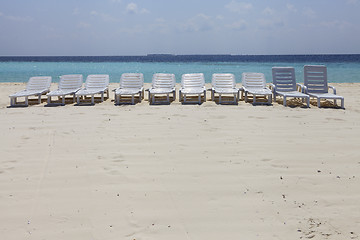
(179, 171)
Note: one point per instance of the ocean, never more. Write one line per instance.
(341, 68)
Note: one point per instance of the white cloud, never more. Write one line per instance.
(220, 17)
(291, 7)
(132, 8)
(335, 24)
(352, 2)
(16, 18)
(270, 23)
(239, 25)
(105, 17)
(199, 23)
(309, 13)
(76, 11)
(268, 11)
(238, 7)
(83, 25)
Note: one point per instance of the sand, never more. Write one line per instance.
(180, 171)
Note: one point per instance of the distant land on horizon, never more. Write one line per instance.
(190, 58)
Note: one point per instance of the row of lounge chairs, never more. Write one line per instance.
(192, 86)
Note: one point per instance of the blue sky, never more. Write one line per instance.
(139, 27)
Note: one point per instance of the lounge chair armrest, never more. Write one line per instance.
(272, 87)
(301, 88)
(333, 88)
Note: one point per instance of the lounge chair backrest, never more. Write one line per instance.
(38, 83)
(192, 80)
(97, 81)
(163, 80)
(253, 80)
(71, 81)
(223, 80)
(315, 79)
(284, 79)
(132, 80)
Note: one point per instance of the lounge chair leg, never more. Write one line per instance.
(318, 102)
(26, 101)
(92, 99)
(205, 96)
(254, 99)
(153, 99)
(132, 99)
(219, 98)
(335, 102)
(63, 100)
(73, 98)
(284, 101)
(78, 99)
(246, 97)
(199, 97)
(212, 95)
(168, 98)
(174, 96)
(102, 97)
(49, 99)
(39, 99)
(274, 98)
(269, 99)
(342, 104)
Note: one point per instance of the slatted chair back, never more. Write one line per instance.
(97, 81)
(38, 83)
(192, 80)
(163, 80)
(253, 80)
(284, 79)
(73, 81)
(132, 80)
(315, 79)
(223, 80)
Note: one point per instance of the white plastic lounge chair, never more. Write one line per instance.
(316, 84)
(68, 85)
(224, 83)
(131, 84)
(95, 84)
(192, 84)
(36, 86)
(284, 84)
(162, 83)
(255, 84)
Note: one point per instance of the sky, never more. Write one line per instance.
(140, 27)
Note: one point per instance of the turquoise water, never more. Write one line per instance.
(21, 71)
